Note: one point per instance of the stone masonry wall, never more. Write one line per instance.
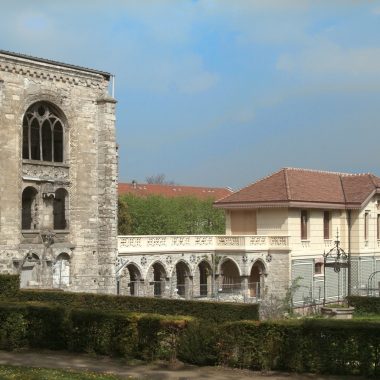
(88, 173)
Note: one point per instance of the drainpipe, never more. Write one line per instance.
(113, 86)
(349, 252)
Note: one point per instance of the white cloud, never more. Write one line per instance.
(329, 58)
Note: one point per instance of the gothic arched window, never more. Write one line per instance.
(42, 131)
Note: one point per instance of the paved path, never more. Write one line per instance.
(155, 371)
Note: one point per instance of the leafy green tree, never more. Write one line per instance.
(124, 218)
(158, 215)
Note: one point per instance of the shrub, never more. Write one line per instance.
(310, 345)
(370, 305)
(216, 312)
(322, 346)
(108, 333)
(9, 285)
(13, 329)
(198, 343)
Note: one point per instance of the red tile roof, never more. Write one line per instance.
(294, 187)
(170, 191)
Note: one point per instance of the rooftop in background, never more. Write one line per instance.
(56, 63)
(290, 187)
(170, 191)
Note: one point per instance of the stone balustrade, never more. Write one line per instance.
(180, 243)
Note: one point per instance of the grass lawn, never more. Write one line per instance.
(28, 373)
(367, 317)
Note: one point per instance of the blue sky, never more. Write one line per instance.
(222, 92)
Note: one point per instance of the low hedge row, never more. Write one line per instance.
(212, 311)
(363, 304)
(9, 285)
(143, 336)
(321, 346)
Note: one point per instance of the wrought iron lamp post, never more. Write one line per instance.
(335, 258)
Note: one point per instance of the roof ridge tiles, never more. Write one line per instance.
(260, 180)
(373, 182)
(327, 172)
(287, 187)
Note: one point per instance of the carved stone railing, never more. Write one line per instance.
(193, 243)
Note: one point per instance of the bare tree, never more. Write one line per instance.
(159, 179)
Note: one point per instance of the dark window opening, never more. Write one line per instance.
(25, 141)
(366, 225)
(35, 152)
(59, 209)
(304, 225)
(58, 142)
(29, 215)
(326, 224)
(158, 279)
(182, 273)
(318, 268)
(46, 142)
(43, 134)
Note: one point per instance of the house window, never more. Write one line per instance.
(326, 224)
(318, 268)
(304, 224)
(366, 225)
(378, 226)
(42, 134)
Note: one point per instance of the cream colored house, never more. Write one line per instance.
(312, 208)
(277, 230)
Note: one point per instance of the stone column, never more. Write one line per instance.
(244, 286)
(107, 190)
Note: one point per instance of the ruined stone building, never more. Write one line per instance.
(58, 181)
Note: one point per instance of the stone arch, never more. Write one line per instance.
(182, 279)
(29, 270)
(157, 277)
(29, 204)
(61, 271)
(61, 209)
(134, 275)
(229, 276)
(256, 278)
(203, 278)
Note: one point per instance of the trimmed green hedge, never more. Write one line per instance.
(318, 345)
(363, 304)
(143, 336)
(313, 345)
(9, 285)
(212, 311)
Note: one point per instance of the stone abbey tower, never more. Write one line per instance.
(58, 178)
